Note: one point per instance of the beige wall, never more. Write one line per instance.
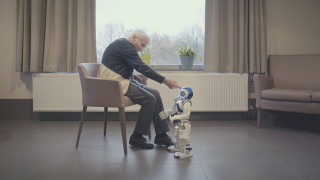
(293, 27)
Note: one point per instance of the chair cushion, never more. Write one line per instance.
(316, 96)
(108, 74)
(287, 94)
(127, 101)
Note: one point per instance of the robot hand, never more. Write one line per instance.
(166, 113)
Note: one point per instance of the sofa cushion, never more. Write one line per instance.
(316, 96)
(287, 94)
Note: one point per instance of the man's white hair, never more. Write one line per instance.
(140, 34)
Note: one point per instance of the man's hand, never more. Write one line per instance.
(141, 78)
(171, 83)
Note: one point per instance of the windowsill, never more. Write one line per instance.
(176, 68)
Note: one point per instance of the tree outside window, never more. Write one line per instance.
(178, 26)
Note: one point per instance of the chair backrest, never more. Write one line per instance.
(87, 70)
(295, 71)
(91, 69)
(98, 92)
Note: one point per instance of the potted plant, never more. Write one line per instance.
(146, 56)
(187, 56)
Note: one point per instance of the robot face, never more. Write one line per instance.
(183, 93)
(186, 93)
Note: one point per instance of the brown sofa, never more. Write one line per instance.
(292, 84)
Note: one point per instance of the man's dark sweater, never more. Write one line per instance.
(122, 58)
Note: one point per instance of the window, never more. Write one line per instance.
(168, 23)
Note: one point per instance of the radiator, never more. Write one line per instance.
(61, 92)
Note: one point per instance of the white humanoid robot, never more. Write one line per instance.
(182, 106)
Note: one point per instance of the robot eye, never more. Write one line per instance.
(183, 94)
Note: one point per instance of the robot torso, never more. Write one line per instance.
(180, 105)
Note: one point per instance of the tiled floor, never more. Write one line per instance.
(223, 150)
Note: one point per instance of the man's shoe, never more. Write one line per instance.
(140, 142)
(163, 140)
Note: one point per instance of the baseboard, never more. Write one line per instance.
(133, 116)
(16, 109)
(22, 109)
(310, 122)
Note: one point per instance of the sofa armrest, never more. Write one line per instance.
(261, 82)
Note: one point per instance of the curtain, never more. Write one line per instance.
(55, 35)
(235, 36)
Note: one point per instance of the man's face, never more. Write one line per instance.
(140, 44)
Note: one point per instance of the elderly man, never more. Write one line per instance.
(120, 59)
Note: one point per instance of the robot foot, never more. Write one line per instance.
(172, 149)
(179, 155)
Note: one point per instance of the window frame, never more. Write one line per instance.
(172, 67)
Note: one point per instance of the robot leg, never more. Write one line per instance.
(186, 152)
(184, 137)
(177, 146)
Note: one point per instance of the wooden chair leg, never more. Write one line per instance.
(258, 118)
(83, 116)
(105, 120)
(123, 129)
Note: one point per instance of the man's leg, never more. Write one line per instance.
(147, 101)
(140, 96)
(161, 126)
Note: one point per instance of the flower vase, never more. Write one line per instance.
(146, 58)
(186, 62)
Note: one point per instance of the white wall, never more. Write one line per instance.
(293, 27)
(13, 85)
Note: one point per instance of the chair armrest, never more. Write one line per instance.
(261, 82)
(104, 93)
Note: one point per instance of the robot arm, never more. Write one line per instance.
(166, 113)
(181, 117)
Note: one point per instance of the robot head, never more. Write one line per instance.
(186, 93)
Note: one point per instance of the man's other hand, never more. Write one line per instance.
(141, 78)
